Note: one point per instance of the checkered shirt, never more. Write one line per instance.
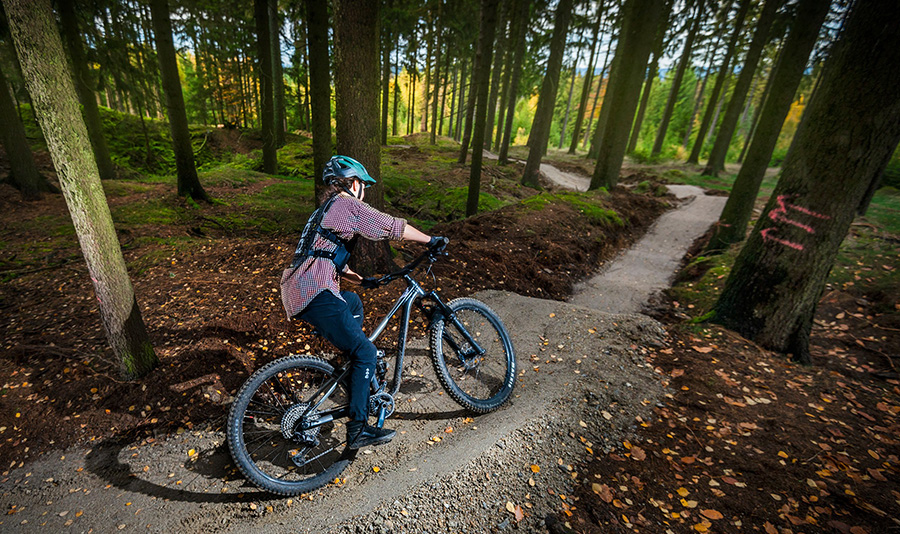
(347, 217)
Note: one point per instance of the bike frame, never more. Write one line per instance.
(413, 295)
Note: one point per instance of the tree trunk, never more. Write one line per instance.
(698, 100)
(56, 106)
(428, 51)
(852, 129)
(480, 82)
(676, 82)
(762, 102)
(565, 124)
(496, 74)
(81, 76)
(356, 107)
(470, 103)
(523, 16)
(716, 161)
(386, 40)
(540, 128)
(394, 125)
(188, 182)
(724, 72)
(277, 72)
(440, 127)
(588, 81)
(594, 151)
(437, 74)
(23, 172)
(266, 85)
(639, 27)
(460, 124)
(603, 72)
(450, 130)
(738, 209)
(320, 87)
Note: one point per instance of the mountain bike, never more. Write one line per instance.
(286, 427)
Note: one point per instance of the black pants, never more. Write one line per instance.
(341, 324)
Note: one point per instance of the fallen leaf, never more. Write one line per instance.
(638, 454)
(510, 507)
(520, 515)
(535, 468)
(702, 350)
(711, 514)
(683, 492)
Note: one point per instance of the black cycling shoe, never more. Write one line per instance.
(360, 435)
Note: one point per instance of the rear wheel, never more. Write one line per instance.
(284, 438)
(480, 380)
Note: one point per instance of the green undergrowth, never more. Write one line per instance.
(590, 204)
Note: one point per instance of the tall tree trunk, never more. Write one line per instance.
(437, 73)
(460, 113)
(540, 128)
(738, 209)
(588, 81)
(386, 40)
(56, 105)
(81, 76)
(24, 174)
(606, 73)
(762, 102)
(266, 85)
(440, 128)
(639, 27)
(716, 161)
(356, 107)
(587, 130)
(452, 118)
(470, 104)
(320, 87)
(724, 72)
(565, 124)
(480, 81)
(394, 125)
(853, 128)
(698, 100)
(277, 72)
(504, 84)
(496, 74)
(648, 85)
(522, 18)
(188, 182)
(428, 51)
(676, 82)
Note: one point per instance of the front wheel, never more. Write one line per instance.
(286, 427)
(479, 376)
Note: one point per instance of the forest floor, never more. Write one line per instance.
(726, 437)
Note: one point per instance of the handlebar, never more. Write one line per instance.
(431, 254)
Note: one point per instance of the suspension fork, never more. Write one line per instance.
(448, 314)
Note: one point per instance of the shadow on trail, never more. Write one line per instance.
(211, 466)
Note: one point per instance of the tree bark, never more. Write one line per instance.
(676, 82)
(639, 27)
(266, 85)
(470, 104)
(694, 158)
(716, 161)
(24, 174)
(738, 209)
(188, 182)
(603, 73)
(851, 131)
(394, 125)
(540, 128)
(438, 49)
(496, 74)
(320, 87)
(386, 40)
(588, 81)
(81, 77)
(698, 100)
(56, 105)
(522, 18)
(480, 79)
(356, 107)
(277, 72)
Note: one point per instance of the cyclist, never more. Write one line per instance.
(310, 287)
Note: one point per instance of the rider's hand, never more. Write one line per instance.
(438, 243)
(369, 282)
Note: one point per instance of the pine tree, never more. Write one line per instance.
(320, 86)
(850, 131)
(49, 82)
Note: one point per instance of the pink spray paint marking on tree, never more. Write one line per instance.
(779, 215)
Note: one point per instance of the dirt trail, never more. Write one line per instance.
(583, 383)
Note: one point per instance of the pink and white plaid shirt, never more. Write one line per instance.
(347, 217)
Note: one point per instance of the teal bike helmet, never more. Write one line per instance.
(345, 167)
